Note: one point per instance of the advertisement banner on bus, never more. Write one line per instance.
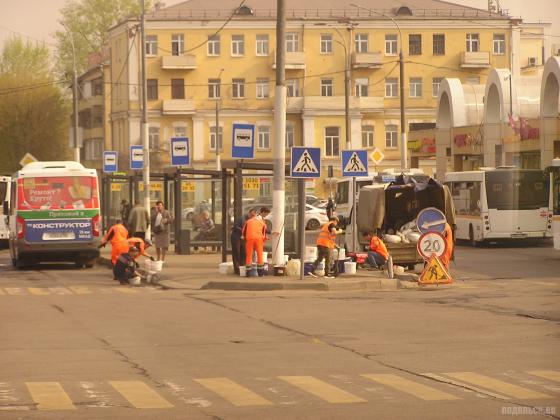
(58, 230)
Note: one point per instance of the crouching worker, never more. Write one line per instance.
(377, 251)
(142, 245)
(126, 267)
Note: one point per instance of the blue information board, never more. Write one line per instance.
(110, 162)
(243, 141)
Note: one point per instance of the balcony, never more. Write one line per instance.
(178, 62)
(295, 104)
(371, 60)
(475, 60)
(178, 107)
(294, 60)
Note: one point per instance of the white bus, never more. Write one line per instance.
(502, 203)
(554, 174)
(4, 210)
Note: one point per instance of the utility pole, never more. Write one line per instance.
(279, 149)
(144, 124)
(217, 131)
(74, 96)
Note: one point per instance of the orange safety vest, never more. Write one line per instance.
(445, 258)
(377, 245)
(119, 234)
(326, 237)
(138, 243)
(254, 229)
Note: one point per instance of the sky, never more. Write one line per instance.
(38, 19)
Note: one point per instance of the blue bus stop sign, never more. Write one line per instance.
(110, 162)
(180, 153)
(243, 141)
(431, 220)
(136, 157)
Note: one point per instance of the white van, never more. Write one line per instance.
(4, 210)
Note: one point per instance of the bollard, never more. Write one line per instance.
(390, 273)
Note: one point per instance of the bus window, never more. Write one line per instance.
(556, 194)
(509, 190)
(466, 197)
(3, 191)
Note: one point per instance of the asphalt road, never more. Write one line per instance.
(75, 345)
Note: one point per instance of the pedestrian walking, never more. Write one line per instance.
(325, 245)
(125, 212)
(377, 251)
(117, 236)
(138, 221)
(161, 221)
(237, 243)
(125, 267)
(254, 233)
(331, 207)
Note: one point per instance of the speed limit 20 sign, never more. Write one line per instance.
(431, 243)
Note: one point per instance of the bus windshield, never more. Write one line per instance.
(516, 190)
(57, 193)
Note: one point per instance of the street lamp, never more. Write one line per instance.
(74, 95)
(217, 128)
(404, 160)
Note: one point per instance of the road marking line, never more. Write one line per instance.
(60, 291)
(15, 291)
(140, 395)
(80, 290)
(322, 390)
(497, 385)
(552, 375)
(421, 391)
(39, 291)
(236, 394)
(126, 290)
(49, 396)
(465, 385)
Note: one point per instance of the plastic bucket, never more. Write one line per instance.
(135, 281)
(265, 256)
(242, 271)
(341, 254)
(310, 253)
(225, 267)
(307, 268)
(286, 259)
(350, 267)
(279, 270)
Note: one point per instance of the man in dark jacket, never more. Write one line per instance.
(125, 267)
(237, 245)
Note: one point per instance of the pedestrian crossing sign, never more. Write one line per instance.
(434, 273)
(305, 162)
(354, 163)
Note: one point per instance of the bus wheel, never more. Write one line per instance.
(473, 241)
(21, 263)
(89, 263)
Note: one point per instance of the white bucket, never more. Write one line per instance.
(350, 267)
(265, 256)
(154, 266)
(310, 253)
(286, 259)
(242, 271)
(134, 281)
(226, 267)
(341, 254)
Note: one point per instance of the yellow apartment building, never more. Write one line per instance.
(206, 53)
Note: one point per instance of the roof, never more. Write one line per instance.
(321, 9)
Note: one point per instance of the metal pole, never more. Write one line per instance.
(225, 213)
(301, 226)
(279, 150)
(404, 159)
(217, 131)
(74, 96)
(144, 125)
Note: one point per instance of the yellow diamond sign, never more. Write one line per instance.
(28, 158)
(377, 156)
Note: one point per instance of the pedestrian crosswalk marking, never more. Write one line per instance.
(40, 291)
(15, 291)
(71, 290)
(60, 290)
(421, 391)
(465, 385)
(126, 290)
(50, 396)
(497, 385)
(322, 390)
(233, 392)
(80, 290)
(140, 395)
(552, 375)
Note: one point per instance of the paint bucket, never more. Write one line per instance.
(349, 267)
(242, 271)
(226, 267)
(135, 281)
(307, 268)
(279, 270)
(310, 253)
(265, 256)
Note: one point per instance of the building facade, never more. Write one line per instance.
(201, 55)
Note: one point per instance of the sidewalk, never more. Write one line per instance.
(200, 271)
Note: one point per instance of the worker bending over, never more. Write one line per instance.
(117, 236)
(254, 234)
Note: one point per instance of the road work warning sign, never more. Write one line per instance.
(434, 273)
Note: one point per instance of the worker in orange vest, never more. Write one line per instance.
(254, 234)
(117, 235)
(142, 245)
(325, 245)
(448, 235)
(377, 252)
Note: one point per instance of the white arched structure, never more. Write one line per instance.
(459, 105)
(524, 102)
(550, 111)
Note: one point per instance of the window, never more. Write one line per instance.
(361, 87)
(368, 140)
(472, 42)
(238, 88)
(214, 88)
(391, 44)
(264, 137)
(391, 136)
(177, 88)
(466, 196)
(151, 44)
(97, 87)
(439, 44)
(332, 141)
(153, 137)
(262, 44)
(93, 149)
(415, 84)
(152, 91)
(237, 45)
(326, 44)
(213, 138)
(97, 116)
(391, 89)
(326, 87)
(361, 43)
(177, 44)
(292, 42)
(289, 136)
(436, 83)
(262, 88)
(499, 44)
(293, 87)
(180, 131)
(415, 44)
(213, 45)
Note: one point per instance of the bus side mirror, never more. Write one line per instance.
(5, 208)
